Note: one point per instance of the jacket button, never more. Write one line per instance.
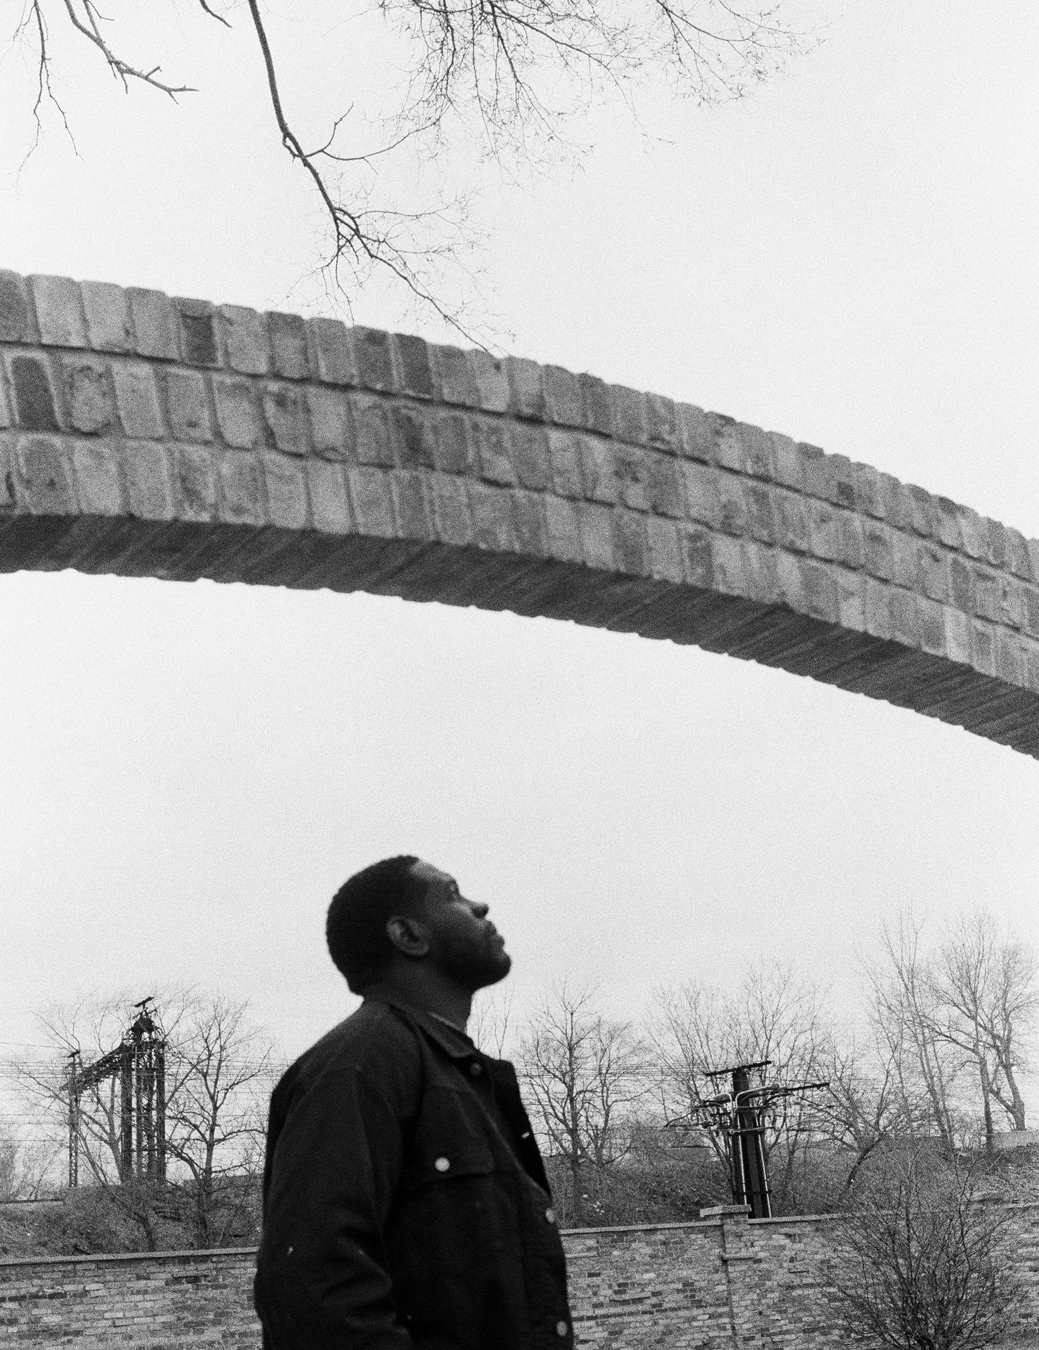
(442, 1164)
(550, 1215)
(476, 1070)
(561, 1328)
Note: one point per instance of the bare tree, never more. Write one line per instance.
(918, 1261)
(772, 1015)
(218, 1073)
(491, 1023)
(505, 76)
(586, 1076)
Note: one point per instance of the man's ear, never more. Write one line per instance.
(409, 937)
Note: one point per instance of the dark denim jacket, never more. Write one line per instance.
(405, 1202)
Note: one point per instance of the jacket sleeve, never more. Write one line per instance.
(333, 1170)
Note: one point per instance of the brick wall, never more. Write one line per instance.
(723, 1284)
(144, 435)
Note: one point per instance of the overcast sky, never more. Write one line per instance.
(189, 771)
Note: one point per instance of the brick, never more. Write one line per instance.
(6, 406)
(932, 626)
(374, 355)
(1013, 602)
(564, 530)
(372, 442)
(983, 647)
(528, 516)
(98, 483)
(245, 340)
(947, 518)
(789, 465)
(194, 483)
(153, 322)
(793, 529)
(59, 312)
(596, 526)
(493, 453)
(33, 394)
(629, 414)
(732, 508)
(196, 320)
(898, 505)
(526, 387)
(701, 493)
(957, 635)
(867, 488)
(149, 488)
(925, 511)
(562, 396)
(986, 594)
(972, 532)
(411, 505)
(664, 486)
(45, 477)
(632, 470)
(662, 427)
(1032, 610)
(88, 394)
(290, 357)
(415, 435)
(15, 315)
(761, 521)
(109, 327)
(665, 556)
(331, 428)
(187, 405)
(878, 615)
(961, 584)
(455, 377)
(824, 531)
(565, 451)
(493, 527)
(240, 497)
(237, 412)
(904, 565)
(1033, 556)
(1017, 553)
(412, 359)
(995, 550)
(492, 381)
(849, 539)
(371, 501)
(934, 572)
(696, 432)
(286, 491)
(877, 550)
(332, 352)
(851, 600)
(598, 470)
(530, 456)
(1009, 662)
(596, 405)
(137, 400)
(329, 500)
(730, 565)
(905, 619)
(697, 555)
(452, 447)
(451, 509)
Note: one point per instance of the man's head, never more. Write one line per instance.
(402, 913)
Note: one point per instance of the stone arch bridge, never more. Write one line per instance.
(149, 436)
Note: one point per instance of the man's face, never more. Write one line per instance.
(463, 941)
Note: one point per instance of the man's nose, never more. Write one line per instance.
(480, 910)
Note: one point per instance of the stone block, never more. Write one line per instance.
(290, 354)
(983, 647)
(961, 584)
(98, 483)
(15, 315)
(529, 524)
(89, 398)
(696, 436)
(629, 414)
(898, 505)
(730, 565)
(492, 381)
(995, 547)
(187, 405)
(564, 530)
(451, 512)
(329, 499)
(153, 322)
(194, 483)
(137, 400)
(286, 491)
(452, 445)
(924, 512)
(761, 521)
(786, 457)
(371, 501)
(630, 542)
(493, 452)
(455, 377)
(849, 539)
(662, 426)
(664, 485)
(933, 572)
(332, 352)
(530, 455)
(987, 588)
(411, 505)
(109, 328)
(1017, 553)
(904, 560)
(763, 584)
(598, 470)
(697, 547)
(146, 475)
(793, 529)
(564, 449)
(285, 412)
(415, 435)
(527, 392)
(372, 440)
(732, 506)
(331, 429)
(632, 470)
(45, 477)
(596, 405)
(245, 340)
(823, 530)
(947, 518)
(491, 509)
(562, 396)
(851, 600)
(196, 319)
(702, 502)
(665, 555)
(877, 548)
(972, 532)
(240, 495)
(878, 615)
(932, 626)
(867, 489)
(59, 311)
(238, 413)
(957, 635)
(34, 403)
(1013, 602)
(905, 618)
(413, 363)
(373, 353)
(596, 526)
(6, 406)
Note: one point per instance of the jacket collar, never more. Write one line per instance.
(453, 1042)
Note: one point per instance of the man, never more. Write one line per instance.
(405, 1201)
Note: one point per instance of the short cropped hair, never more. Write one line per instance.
(356, 925)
